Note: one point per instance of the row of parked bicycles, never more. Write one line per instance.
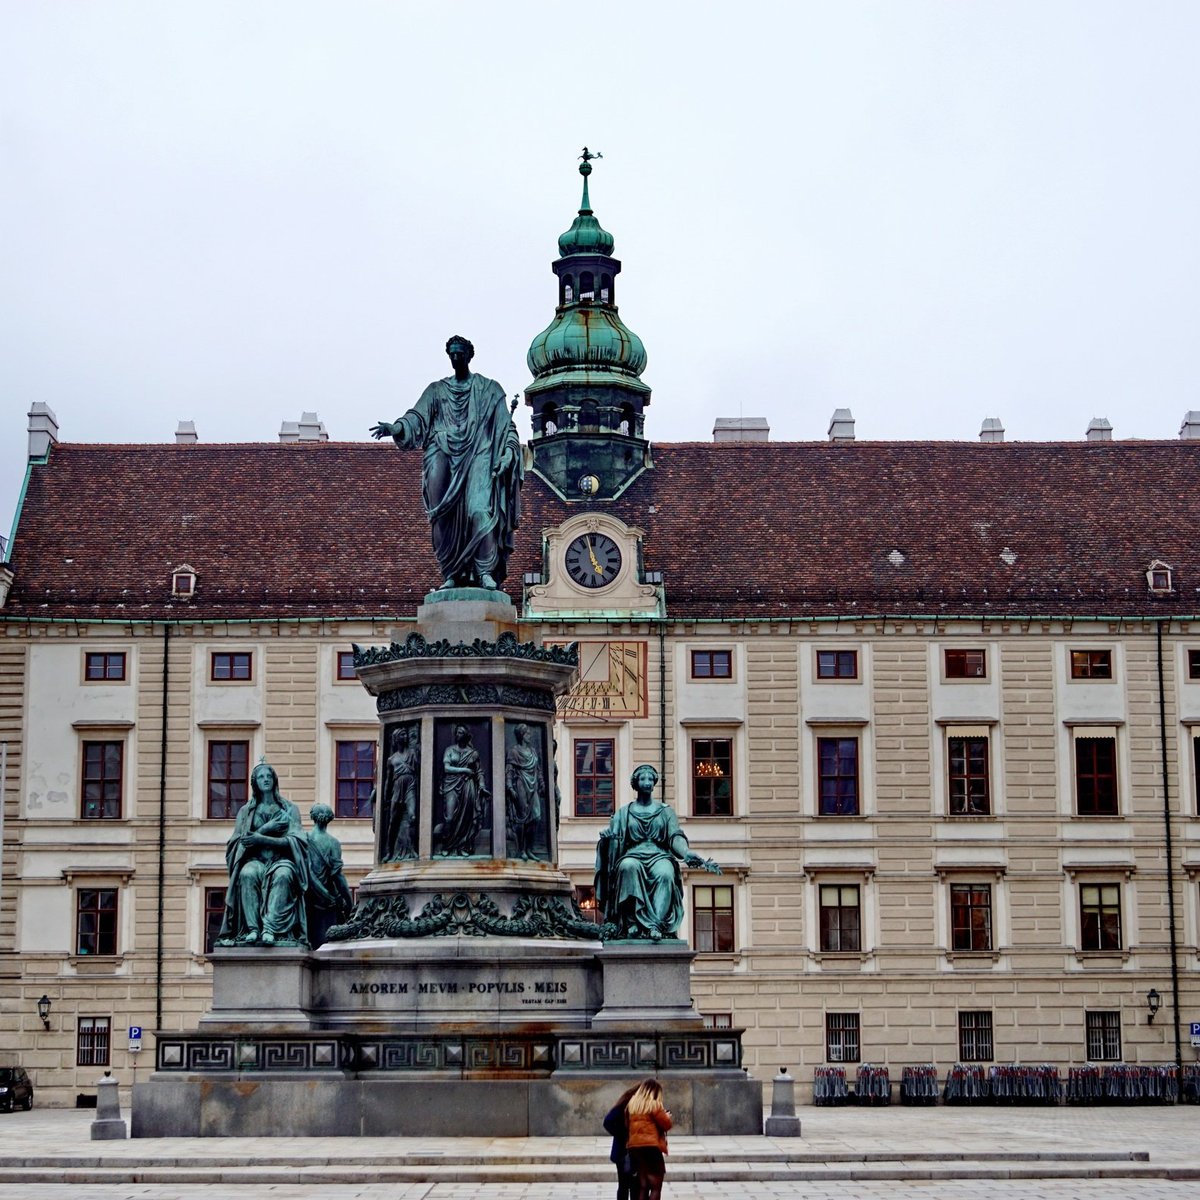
(1011, 1083)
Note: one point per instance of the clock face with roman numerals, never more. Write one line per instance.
(612, 682)
(593, 560)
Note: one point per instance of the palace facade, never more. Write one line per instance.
(934, 707)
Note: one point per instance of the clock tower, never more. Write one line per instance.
(587, 395)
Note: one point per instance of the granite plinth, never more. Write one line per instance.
(725, 1102)
(647, 984)
(256, 985)
(464, 614)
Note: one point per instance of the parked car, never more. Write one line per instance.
(15, 1089)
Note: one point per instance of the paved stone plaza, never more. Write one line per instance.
(851, 1154)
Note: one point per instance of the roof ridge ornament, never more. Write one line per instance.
(585, 169)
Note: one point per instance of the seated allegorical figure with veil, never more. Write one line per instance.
(267, 856)
(639, 884)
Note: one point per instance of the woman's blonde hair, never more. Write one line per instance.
(646, 1099)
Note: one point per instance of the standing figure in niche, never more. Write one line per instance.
(524, 792)
(639, 885)
(267, 856)
(463, 795)
(328, 897)
(404, 764)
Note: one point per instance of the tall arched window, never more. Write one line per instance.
(568, 289)
(587, 286)
(606, 291)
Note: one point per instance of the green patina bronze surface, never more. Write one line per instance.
(507, 645)
(473, 470)
(268, 862)
(639, 884)
(328, 897)
(533, 916)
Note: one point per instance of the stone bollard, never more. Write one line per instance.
(108, 1125)
(783, 1121)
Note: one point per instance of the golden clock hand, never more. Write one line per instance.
(592, 556)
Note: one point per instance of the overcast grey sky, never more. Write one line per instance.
(926, 212)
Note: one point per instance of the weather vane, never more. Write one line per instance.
(587, 155)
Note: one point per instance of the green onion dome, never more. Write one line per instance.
(585, 235)
(587, 335)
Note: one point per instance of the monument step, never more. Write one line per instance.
(590, 1158)
(925, 1169)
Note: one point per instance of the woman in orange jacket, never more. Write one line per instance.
(648, 1123)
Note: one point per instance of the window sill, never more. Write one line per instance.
(96, 964)
(969, 957)
(843, 958)
(971, 816)
(1100, 958)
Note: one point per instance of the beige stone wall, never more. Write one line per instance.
(904, 853)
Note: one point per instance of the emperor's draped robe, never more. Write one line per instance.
(465, 429)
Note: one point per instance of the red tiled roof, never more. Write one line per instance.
(737, 529)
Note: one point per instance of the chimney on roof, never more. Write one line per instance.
(841, 426)
(1099, 430)
(43, 429)
(310, 429)
(185, 435)
(307, 429)
(991, 430)
(741, 429)
(1190, 429)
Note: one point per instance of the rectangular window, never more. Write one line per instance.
(1194, 664)
(103, 667)
(975, 1036)
(841, 922)
(966, 664)
(837, 664)
(355, 778)
(230, 666)
(970, 916)
(712, 777)
(1091, 664)
(1096, 776)
(585, 897)
(594, 776)
(103, 764)
(96, 921)
(1103, 1036)
(712, 920)
(214, 915)
(1100, 916)
(969, 792)
(92, 1041)
(841, 1037)
(712, 664)
(228, 778)
(837, 776)
(345, 665)
(722, 1020)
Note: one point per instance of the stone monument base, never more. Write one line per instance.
(441, 1038)
(331, 1105)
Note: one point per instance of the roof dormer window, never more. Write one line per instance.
(183, 582)
(1160, 578)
